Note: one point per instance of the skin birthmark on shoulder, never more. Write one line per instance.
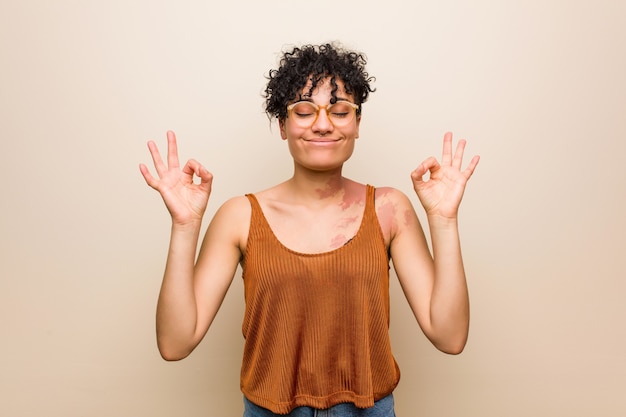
(409, 217)
(385, 205)
(386, 213)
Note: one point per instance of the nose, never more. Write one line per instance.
(322, 124)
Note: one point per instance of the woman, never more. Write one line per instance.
(315, 253)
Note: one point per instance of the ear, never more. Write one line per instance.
(358, 123)
(281, 125)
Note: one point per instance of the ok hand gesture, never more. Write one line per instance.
(441, 194)
(185, 200)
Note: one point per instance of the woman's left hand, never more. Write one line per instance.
(442, 192)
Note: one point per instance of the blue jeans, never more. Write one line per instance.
(381, 408)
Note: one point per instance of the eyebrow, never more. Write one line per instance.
(310, 100)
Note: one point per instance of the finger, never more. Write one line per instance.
(204, 175)
(172, 150)
(156, 158)
(206, 179)
(446, 158)
(471, 167)
(150, 180)
(429, 165)
(193, 167)
(458, 154)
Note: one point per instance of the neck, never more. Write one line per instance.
(318, 186)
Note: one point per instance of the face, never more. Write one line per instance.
(322, 146)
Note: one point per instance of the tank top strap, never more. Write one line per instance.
(253, 202)
(257, 211)
(370, 201)
(257, 217)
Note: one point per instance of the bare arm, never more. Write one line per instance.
(435, 286)
(191, 295)
(191, 292)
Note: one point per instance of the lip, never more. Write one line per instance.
(321, 140)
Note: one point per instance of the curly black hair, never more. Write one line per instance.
(315, 62)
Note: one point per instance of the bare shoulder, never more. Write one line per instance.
(394, 210)
(231, 221)
(236, 206)
(391, 201)
(389, 194)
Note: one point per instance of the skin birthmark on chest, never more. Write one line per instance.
(347, 222)
(338, 241)
(347, 228)
(350, 200)
(329, 191)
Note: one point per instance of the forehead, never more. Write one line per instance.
(324, 87)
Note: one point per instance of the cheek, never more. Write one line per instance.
(288, 131)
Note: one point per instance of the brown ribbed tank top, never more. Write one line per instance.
(316, 326)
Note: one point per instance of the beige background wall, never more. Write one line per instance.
(537, 87)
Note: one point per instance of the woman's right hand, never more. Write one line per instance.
(185, 200)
